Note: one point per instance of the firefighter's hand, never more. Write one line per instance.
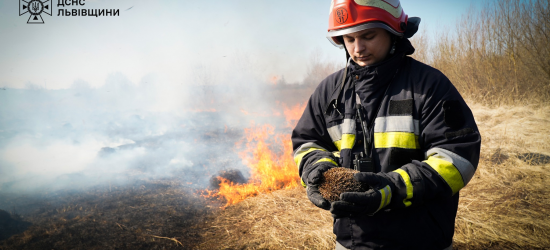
(313, 175)
(369, 202)
(356, 203)
(316, 198)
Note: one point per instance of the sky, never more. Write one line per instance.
(164, 89)
(171, 39)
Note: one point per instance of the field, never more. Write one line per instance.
(505, 206)
(502, 71)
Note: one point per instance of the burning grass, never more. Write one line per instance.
(269, 171)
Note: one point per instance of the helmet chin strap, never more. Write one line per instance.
(342, 85)
(345, 75)
(392, 50)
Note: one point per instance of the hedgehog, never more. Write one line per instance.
(339, 180)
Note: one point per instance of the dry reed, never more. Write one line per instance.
(498, 55)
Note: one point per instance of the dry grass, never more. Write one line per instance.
(508, 201)
(505, 206)
(284, 219)
(516, 129)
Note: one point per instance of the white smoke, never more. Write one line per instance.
(82, 136)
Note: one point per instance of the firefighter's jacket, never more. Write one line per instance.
(421, 130)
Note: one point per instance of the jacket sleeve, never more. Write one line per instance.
(451, 142)
(310, 139)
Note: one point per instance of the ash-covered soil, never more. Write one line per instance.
(145, 215)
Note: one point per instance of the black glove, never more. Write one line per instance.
(312, 176)
(316, 198)
(369, 202)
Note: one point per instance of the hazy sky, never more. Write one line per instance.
(171, 39)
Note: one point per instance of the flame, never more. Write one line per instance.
(260, 114)
(269, 157)
(276, 112)
(274, 80)
(245, 112)
(269, 171)
(293, 114)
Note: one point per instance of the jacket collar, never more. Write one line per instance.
(380, 72)
(384, 70)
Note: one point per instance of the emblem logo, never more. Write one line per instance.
(35, 8)
(341, 15)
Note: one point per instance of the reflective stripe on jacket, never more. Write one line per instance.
(423, 130)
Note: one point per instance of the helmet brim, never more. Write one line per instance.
(331, 35)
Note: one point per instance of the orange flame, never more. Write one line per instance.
(274, 80)
(269, 171)
(261, 113)
(293, 114)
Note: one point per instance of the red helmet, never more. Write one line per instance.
(349, 16)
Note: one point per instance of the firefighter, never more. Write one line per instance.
(399, 122)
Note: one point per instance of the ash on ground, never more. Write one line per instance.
(11, 224)
(233, 175)
(148, 214)
(534, 159)
(339, 180)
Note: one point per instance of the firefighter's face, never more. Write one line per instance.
(368, 47)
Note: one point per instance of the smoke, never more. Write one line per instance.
(123, 131)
